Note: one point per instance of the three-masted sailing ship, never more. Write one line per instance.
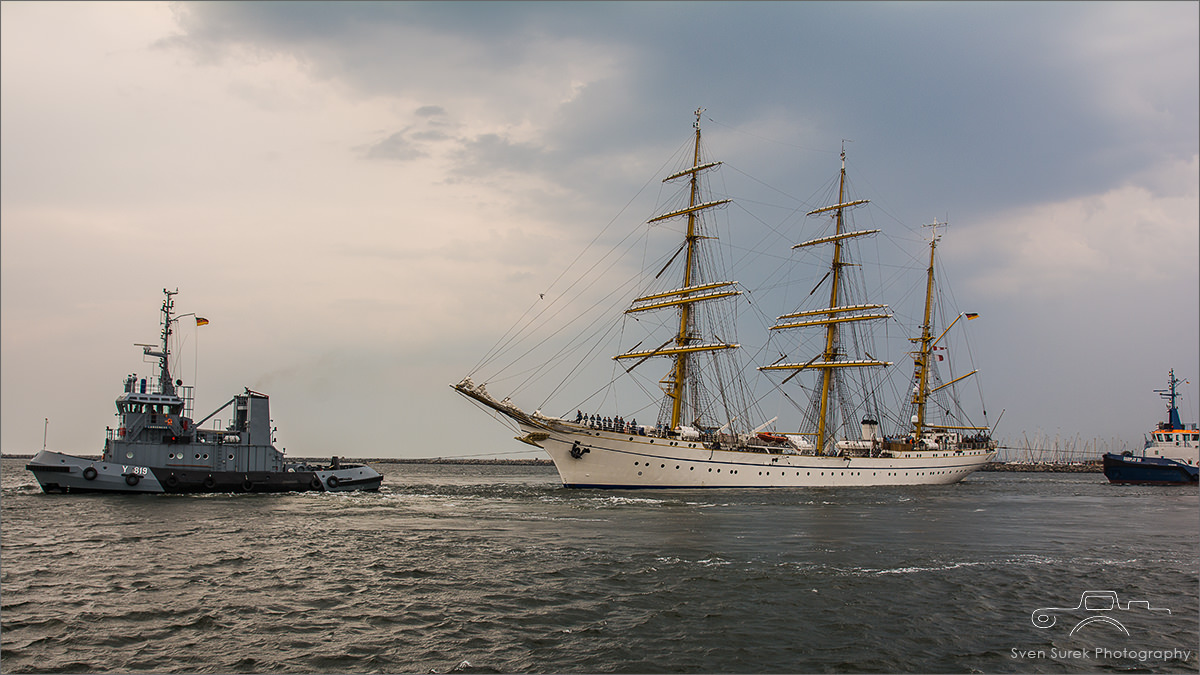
(703, 436)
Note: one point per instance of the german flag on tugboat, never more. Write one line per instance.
(971, 315)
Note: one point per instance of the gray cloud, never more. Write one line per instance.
(395, 147)
(915, 85)
(430, 111)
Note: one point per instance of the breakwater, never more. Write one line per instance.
(1046, 467)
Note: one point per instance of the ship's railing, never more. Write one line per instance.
(188, 393)
(141, 385)
(150, 385)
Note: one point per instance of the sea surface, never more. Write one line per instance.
(482, 569)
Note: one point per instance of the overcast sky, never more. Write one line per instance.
(362, 198)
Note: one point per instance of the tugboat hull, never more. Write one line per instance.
(57, 472)
(1149, 471)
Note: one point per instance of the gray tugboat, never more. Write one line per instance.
(157, 447)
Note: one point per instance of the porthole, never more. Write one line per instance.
(662, 466)
(639, 473)
(129, 455)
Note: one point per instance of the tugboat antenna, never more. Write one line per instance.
(165, 385)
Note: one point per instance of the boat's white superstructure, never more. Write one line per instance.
(703, 437)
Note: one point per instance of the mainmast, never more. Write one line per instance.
(692, 291)
(835, 315)
(831, 329)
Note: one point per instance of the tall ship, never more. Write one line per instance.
(158, 447)
(711, 428)
(1170, 455)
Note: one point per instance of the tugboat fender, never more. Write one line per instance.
(132, 479)
(332, 481)
(315, 483)
(247, 485)
(89, 473)
(210, 482)
(172, 481)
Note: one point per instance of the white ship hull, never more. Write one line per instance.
(611, 460)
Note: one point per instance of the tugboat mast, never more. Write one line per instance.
(165, 383)
(1170, 394)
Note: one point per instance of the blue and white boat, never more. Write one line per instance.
(1171, 455)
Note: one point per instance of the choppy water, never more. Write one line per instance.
(499, 569)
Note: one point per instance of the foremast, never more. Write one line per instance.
(829, 361)
(694, 290)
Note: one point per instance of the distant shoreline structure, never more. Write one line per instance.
(1092, 466)
(1020, 467)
